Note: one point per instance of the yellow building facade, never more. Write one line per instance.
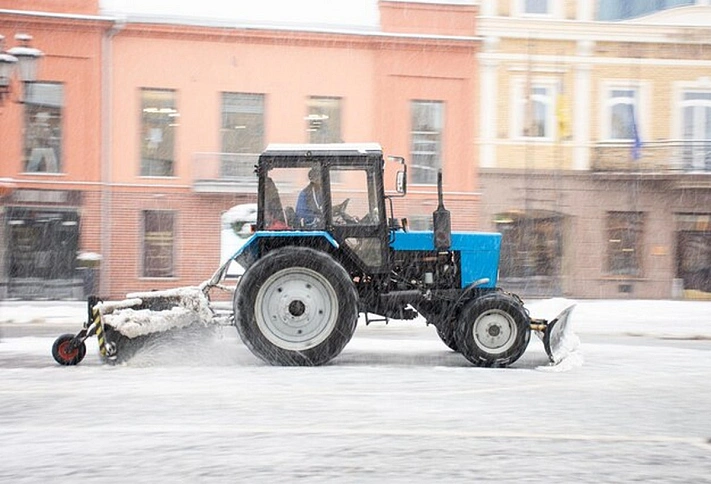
(595, 145)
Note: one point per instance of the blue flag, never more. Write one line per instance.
(637, 143)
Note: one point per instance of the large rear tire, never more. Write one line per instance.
(296, 307)
(493, 330)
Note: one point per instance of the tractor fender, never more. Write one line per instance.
(472, 291)
(248, 254)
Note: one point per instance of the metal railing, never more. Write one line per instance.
(653, 156)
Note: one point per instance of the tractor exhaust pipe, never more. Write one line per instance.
(442, 220)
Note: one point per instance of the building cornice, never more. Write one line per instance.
(272, 35)
(57, 16)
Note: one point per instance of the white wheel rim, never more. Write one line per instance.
(495, 331)
(296, 309)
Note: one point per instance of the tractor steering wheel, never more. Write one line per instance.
(339, 212)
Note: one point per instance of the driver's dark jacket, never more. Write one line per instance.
(308, 206)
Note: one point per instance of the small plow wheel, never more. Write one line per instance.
(65, 352)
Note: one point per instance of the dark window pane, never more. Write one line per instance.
(624, 247)
(530, 245)
(158, 240)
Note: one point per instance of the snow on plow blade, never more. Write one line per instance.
(139, 320)
(558, 337)
(125, 327)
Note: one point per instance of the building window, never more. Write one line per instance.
(242, 133)
(323, 122)
(535, 110)
(43, 104)
(159, 118)
(537, 7)
(530, 245)
(427, 125)
(696, 116)
(158, 243)
(621, 114)
(610, 10)
(624, 245)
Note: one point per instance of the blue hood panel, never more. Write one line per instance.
(479, 252)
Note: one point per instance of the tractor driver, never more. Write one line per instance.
(310, 202)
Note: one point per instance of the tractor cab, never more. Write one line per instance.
(326, 191)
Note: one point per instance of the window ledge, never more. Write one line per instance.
(42, 173)
(612, 278)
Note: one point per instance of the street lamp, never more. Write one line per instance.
(22, 59)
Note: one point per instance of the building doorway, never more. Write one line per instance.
(42, 246)
(694, 262)
(531, 251)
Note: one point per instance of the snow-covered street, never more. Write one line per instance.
(395, 406)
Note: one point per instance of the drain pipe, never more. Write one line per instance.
(106, 152)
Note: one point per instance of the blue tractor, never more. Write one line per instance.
(327, 248)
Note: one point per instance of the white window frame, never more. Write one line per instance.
(519, 101)
(641, 107)
(682, 88)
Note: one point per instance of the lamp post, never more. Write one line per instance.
(21, 60)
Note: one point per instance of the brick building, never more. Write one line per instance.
(158, 122)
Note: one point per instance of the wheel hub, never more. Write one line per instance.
(495, 331)
(296, 308)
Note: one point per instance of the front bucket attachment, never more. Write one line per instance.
(559, 340)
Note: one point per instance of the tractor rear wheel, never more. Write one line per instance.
(296, 307)
(493, 330)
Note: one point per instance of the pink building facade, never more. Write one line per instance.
(161, 123)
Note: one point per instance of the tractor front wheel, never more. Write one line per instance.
(493, 330)
(296, 307)
(65, 353)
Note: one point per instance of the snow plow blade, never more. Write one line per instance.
(558, 337)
